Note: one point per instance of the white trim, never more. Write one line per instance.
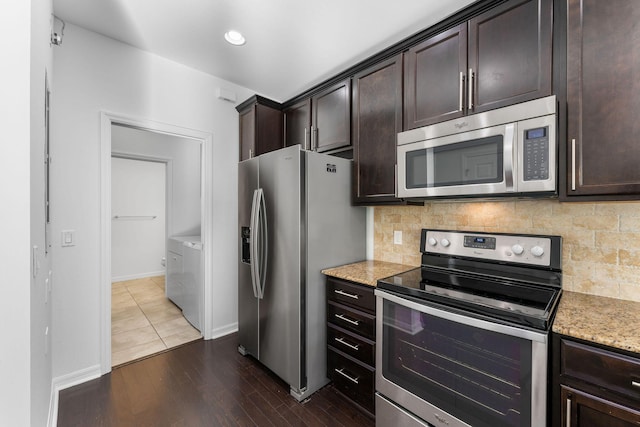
(206, 177)
(64, 382)
(137, 276)
(224, 330)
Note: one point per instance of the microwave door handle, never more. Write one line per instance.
(510, 152)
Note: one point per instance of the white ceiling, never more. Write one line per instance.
(291, 46)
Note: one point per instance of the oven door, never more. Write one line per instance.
(451, 369)
(479, 162)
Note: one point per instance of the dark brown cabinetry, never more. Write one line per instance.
(322, 122)
(500, 57)
(298, 124)
(376, 121)
(603, 99)
(331, 118)
(435, 79)
(597, 387)
(261, 127)
(351, 340)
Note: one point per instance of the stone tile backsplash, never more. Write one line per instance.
(601, 241)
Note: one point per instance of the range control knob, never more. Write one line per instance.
(432, 241)
(517, 249)
(537, 251)
(445, 242)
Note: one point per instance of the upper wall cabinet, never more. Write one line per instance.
(603, 99)
(331, 118)
(261, 126)
(501, 57)
(298, 124)
(321, 123)
(376, 120)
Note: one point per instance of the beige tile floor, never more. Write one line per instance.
(144, 321)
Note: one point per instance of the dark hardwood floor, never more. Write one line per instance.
(203, 383)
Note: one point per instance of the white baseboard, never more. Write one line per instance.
(137, 276)
(222, 331)
(66, 381)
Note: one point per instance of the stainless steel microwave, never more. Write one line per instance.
(511, 151)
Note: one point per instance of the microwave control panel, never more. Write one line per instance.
(536, 154)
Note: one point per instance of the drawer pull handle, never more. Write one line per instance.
(354, 347)
(635, 383)
(346, 294)
(349, 377)
(346, 319)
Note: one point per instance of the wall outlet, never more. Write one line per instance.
(397, 237)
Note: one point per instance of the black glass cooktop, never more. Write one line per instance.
(521, 296)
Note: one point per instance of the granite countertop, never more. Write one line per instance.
(367, 272)
(607, 321)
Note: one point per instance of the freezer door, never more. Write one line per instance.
(248, 307)
(281, 321)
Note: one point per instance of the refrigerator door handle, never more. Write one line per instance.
(263, 243)
(253, 246)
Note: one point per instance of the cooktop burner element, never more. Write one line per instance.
(513, 278)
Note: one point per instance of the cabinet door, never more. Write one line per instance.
(331, 117)
(376, 120)
(247, 133)
(581, 409)
(434, 79)
(510, 54)
(298, 124)
(603, 97)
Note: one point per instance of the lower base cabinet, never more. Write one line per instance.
(597, 386)
(351, 341)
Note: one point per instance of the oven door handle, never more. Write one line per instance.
(462, 319)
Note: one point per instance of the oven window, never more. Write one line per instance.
(478, 161)
(481, 377)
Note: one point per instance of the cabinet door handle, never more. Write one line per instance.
(313, 138)
(461, 103)
(635, 383)
(250, 153)
(346, 294)
(349, 377)
(573, 165)
(351, 346)
(306, 139)
(470, 89)
(346, 319)
(568, 420)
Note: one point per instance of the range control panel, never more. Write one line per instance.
(525, 249)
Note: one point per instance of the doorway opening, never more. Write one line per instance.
(144, 320)
(155, 184)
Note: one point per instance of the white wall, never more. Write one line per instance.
(184, 154)
(25, 369)
(94, 73)
(138, 193)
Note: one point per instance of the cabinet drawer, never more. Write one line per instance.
(351, 294)
(358, 347)
(351, 319)
(606, 369)
(351, 378)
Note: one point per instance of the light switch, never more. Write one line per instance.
(68, 238)
(397, 237)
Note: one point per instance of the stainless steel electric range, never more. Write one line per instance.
(463, 339)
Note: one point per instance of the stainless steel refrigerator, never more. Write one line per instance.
(295, 219)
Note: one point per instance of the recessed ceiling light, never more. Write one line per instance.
(234, 37)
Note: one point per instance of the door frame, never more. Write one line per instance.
(107, 119)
